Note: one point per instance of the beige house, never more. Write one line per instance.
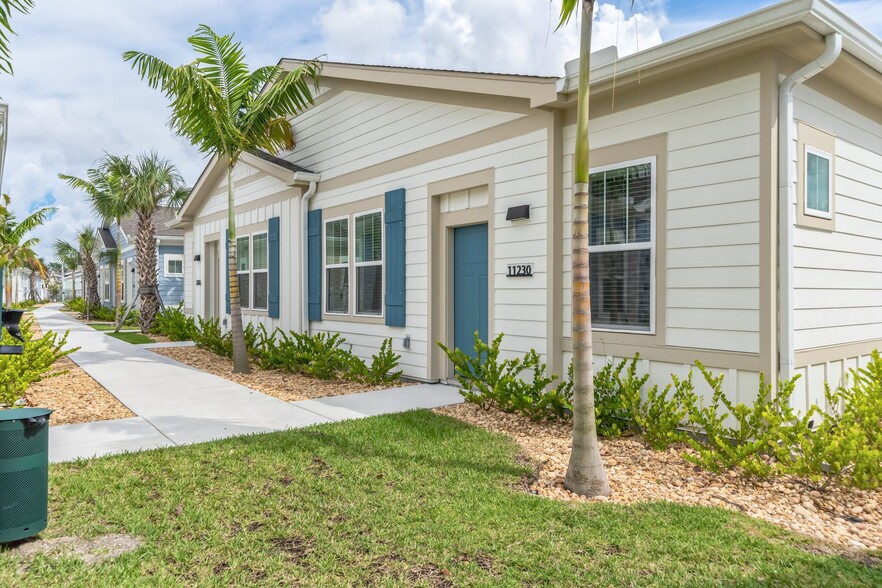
(736, 207)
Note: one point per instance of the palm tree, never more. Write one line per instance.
(109, 187)
(6, 8)
(88, 249)
(585, 472)
(15, 249)
(69, 258)
(225, 109)
(155, 182)
(37, 266)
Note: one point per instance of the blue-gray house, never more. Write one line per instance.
(170, 259)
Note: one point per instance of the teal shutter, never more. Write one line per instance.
(274, 267)
(227, 269)
(314, 268)
(395, 258)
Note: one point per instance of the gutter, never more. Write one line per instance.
(787, 200)
(313, 180)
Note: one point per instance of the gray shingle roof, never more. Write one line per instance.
(162, 215)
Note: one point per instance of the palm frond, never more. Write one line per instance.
(6, 9)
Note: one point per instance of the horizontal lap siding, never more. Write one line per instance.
(170, 288)
(519, 305)
(712, 211)
(838, 275)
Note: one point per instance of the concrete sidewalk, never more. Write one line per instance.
(176, 404)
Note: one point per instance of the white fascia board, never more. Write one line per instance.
(819, 15)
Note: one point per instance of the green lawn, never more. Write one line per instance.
(109, 327)
(407, 500)
(133, 338)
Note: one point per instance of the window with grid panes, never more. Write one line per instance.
(621, 246)
(337, 266)
(259, 274)
(369, 264)
(243, 254)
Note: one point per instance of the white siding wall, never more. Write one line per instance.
(838, 275)
(287, 209)
(712, 255)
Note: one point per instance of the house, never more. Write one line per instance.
(736, 208)
(169, 256)
(19, 286)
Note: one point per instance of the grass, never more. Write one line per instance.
(110, 327)
(406, 500)
(133, 338)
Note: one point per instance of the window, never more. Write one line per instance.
(259, 275)
(174, 265)
(337, 266)
(364, 263)
(621, 239)
(369, 264)
(243, 267)
(818, 183)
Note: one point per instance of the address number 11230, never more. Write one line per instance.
(524, 270)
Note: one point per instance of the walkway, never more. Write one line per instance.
(176, 404)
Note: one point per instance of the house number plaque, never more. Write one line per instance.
(520, 270)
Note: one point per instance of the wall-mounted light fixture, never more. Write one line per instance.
(518, 213)
(406, 342)
(197, 257)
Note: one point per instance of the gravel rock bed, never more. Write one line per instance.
(849, 518)
(276, 383)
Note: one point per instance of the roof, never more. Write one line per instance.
(161, 216)
(280, 162)
(106, 238)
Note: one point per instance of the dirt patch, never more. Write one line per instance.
(296, 548)
(89, 551)
(73, 395)
(849, 519)
(431, 574)
(276, 383)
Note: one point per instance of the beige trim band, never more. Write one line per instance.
(820, 355)
(680, 355)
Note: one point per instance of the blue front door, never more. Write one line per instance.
(469, 286)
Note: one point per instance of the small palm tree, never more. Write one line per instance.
(156, 182)
(225, 109)
(15, 249)
(69, 258)
(88, 249)
(585, 472)
(109, 188)
(6, 8)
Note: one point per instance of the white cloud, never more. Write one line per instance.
(367, 28)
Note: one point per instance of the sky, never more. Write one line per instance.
(72, 98)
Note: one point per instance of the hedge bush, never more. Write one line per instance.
(17, 372)
(174, 324)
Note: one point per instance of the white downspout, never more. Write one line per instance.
(787, 198)
(304, 254)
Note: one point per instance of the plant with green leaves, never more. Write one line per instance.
(224, 109)
(16, 248)
(175, 324)
(68, 257)
(109, 188)
(6, 9)
(382, 369)
(17, 372)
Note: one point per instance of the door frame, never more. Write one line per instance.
(440, 252)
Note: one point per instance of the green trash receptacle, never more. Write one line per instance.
(24, 472)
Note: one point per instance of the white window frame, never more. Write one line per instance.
(356, 264)
(653, 161)
(347, 265)
(253, 271)
(240, 272)
(174, 257)
(829, 157)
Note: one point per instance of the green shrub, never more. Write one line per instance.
(328, 358)
(383, 364)
(209, 336)
(17, 372)
(174, 324)
(486, 380)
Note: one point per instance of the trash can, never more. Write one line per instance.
(24, 472)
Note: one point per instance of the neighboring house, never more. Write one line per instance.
(439, 203)
(18, 286)
(169, 254)
(71, 283)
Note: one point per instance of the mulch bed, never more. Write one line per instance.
(276, 383)
(848, 518)
(74, 396)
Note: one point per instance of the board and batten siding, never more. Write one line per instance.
(837, 275)
(258, 198)
(171, 289)
(353, 131)
(712, 215)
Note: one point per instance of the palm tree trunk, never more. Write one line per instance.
(118, 300)
(90, 281)
(147, 280)
(585, 472)
(240, 354)
(32, 284)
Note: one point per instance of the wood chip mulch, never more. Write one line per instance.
(276, 383)
(74, 396)
(851, 519)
